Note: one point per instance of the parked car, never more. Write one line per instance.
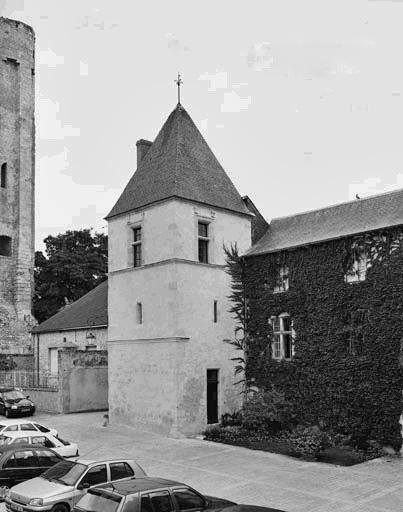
(156, 495)
(62, 486)
(14, 402)
(19, 462)
(11, 425)
(63, 448)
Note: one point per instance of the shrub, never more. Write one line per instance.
(309, 440)
(231, 420)
(267, 411)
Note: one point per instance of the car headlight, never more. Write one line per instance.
(36, 502)
(14, 407)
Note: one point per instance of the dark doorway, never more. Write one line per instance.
(212, 396)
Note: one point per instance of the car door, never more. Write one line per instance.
(8, 471)
(188, 500)
(26, 465)
(119, 470)
(157, 501)
(46, 458)
(94, 476)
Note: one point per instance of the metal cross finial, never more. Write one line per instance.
(179, 82)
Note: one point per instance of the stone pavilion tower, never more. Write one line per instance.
(17, 172)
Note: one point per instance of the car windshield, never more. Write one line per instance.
(94, 501)
(13, 395)
(65, 472)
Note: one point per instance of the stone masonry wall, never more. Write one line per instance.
(17, 152)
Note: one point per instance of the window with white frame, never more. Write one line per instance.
(357, 270)
(203, 241)
(136, 244)
(282, 280)
(283, 337)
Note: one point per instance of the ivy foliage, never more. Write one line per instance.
(345, 375)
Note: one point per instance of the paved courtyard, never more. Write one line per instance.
(239, 474)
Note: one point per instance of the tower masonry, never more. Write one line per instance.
(17, 176)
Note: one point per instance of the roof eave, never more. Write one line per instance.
(316, 242)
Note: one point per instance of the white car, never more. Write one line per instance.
(63, 448)
(13, 425)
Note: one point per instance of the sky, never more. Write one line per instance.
(301, 101)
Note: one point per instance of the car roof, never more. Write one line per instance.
(23, 446)
(16, 421)
(133, 485)
(89, 462)
(25, 433)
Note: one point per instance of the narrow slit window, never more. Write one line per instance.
(203, 240)
(3, 176)
(136, 244)
(215, 312)
(139, 312)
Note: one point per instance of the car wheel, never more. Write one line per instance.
(59, 507)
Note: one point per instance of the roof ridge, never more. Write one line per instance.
(351, 201)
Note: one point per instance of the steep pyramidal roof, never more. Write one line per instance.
(341, 220)
(179, 164)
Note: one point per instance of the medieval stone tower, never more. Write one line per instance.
(17, 171)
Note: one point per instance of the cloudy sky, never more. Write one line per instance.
(301, 101)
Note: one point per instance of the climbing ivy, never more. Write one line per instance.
(345, 375)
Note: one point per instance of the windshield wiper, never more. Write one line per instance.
(54, 480)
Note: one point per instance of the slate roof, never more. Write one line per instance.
(345, 219)
(91, 310)
(179, 164)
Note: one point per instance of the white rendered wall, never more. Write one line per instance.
(157, 369)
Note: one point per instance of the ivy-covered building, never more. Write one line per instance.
(325, 315)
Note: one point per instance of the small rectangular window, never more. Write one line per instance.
(3, 176)
(215, 312)
(139, 313)
(203, 240)
(137, 256)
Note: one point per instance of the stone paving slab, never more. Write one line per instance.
(245, 476)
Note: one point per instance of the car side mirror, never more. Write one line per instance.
(84, 485)
(27, 396)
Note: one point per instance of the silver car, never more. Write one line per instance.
(60, 487)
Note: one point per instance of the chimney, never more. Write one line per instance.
(142, 148)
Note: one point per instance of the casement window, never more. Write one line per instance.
(136, 244)
(357, 271)
(203, 241)
(282, 280)
(3, 176)
(283, 337)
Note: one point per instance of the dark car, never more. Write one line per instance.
(150, 494)
(20, 462)
(14, 402)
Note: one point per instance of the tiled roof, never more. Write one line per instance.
(179, 164)
(345, 219)
(90, 310)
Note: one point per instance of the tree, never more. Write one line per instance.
(235, 268)
(75, 262)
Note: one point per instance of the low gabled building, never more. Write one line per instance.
(325, 295)
(82, 324)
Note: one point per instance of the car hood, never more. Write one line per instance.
(40, 488)
(20, 402)
(250, 508)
